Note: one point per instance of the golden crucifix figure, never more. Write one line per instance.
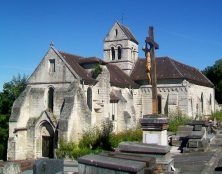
(148, 66)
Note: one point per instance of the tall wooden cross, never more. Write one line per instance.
(149, 50)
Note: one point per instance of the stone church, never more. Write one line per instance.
(67, 94)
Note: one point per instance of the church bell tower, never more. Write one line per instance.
(121, 47)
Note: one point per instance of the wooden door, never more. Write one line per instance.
(47, 146)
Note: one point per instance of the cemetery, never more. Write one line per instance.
(195, 147)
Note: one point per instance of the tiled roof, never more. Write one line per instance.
(168, 68)
(113, 97)
(128, 33)
(119, 78)
(92, 60)
(73, 61)
(116, 95)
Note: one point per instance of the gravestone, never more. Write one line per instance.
(98, 164)
(44, 165)
(182, 132)
(143, 148)
(10, 167)
(164, 162)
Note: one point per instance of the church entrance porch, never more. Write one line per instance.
(45, 140)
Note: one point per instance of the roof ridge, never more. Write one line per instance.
(71, 54)
(128, 33)
(173, 63)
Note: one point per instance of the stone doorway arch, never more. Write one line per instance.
(46, 138)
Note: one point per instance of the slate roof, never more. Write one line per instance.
(116, 95)
(92, 60)
(73, 61)
(117, 76)
(168, 68)
(128, 33)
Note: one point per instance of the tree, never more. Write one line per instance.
(214, 74)
(11, 91)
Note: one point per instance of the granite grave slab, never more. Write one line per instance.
(99, 164)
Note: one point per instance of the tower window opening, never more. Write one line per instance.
(116, 32)
(113, 53)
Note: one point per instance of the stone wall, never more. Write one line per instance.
(173, 98)
(201, 100)
(44, 75)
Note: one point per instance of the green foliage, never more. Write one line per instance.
(71, 150)
(96, 71)
(93, 141)
(127, 135)
(214, 73)
(3, 136)
(217, 115)
(11, 90)
(98, 138)
(176, 119)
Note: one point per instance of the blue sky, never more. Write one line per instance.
(189, 31)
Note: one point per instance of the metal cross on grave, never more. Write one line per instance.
(149, 50)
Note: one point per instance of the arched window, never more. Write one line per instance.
(119, 52)
(159, 104)
(50, 99)
(113, 53)
(202, 103)
(89, 98)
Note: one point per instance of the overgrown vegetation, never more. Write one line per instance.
(95, 140)
(128, 135)
(216, 115)
(176, 119)
(98, 138)
(96, 71)
(11, 90)
(70, 150)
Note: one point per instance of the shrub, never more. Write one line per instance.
(128, 135)
(96, 71)
(217, 115)
(72, 150)
(93, 141)
(97, 138)
(176, 119)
